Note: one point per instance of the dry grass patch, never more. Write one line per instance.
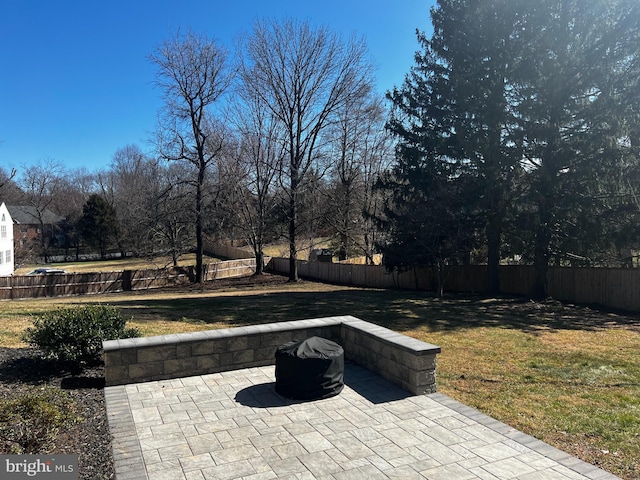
(111, 265)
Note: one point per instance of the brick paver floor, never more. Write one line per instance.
(233, 425)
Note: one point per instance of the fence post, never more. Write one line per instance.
(126, 280)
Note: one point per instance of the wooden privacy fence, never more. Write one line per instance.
(609, 287)
(231, 268)
(34, 286)
(358, 275)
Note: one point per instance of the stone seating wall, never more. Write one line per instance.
(405, 361)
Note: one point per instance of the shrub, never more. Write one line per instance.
(30, 422)
(75, 334)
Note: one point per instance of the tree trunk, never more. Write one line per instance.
(540, 264)
(199, 239)
(259, 262)
(493, 231)
(541, 249)
(546, 189)
(440, 279)
(293, 222)
(342, 253)
(293, 250)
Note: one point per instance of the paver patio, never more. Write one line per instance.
(232, 425)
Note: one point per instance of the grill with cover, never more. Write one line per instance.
(310, 369)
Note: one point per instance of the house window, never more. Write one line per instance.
(1, 262)
(8, 256)
(3, 231)
(3, 219)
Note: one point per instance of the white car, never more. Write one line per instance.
(46, 271)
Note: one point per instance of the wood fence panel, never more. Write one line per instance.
(304, 268)
(429, 279)
(370, 276)
(281, 265)
(329, 271)
(5, 288)
(98, 282)
(622, 287)
(367, 275)
(385, 278)
(516, 279)
(144, 279)
(590, 286)
(465, 278)
(229, 269)
(631, 289)
(345, 273)
(561, 284)
(455, 280)
(405, 279)
(357, 271)
(413, 279)
(380, 277)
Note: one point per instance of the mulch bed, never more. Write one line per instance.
(22, 368)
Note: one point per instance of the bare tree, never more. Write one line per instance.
(40, 183)
(10, 193)
(171, 230)
(5, 177)
(378, 155)
(259, 156)
(130, 187)
(362, 149)
(193, 73)
(303, 75)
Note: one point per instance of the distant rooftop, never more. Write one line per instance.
(28, 215)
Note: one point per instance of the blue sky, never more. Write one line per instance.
(76, 83)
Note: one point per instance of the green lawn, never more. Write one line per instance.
(567, 375)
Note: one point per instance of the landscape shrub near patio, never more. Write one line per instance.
(75, 334)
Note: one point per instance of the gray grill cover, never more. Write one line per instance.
(310, 369)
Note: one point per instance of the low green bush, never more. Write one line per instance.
(75, 334)
(30, 422)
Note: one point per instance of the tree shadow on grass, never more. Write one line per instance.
(398, 310)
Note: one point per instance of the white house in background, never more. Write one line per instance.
(6, 242)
